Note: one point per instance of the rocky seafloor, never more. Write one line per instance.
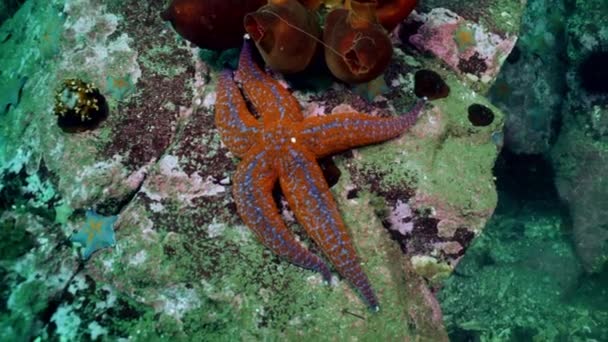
(184, 266)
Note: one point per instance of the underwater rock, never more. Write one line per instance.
(522, 278)
(581, 164)
(14, 240)
(472, 49)
(8, 9)
(285, 33)
(357, 47)
(184, 266)
(580, 154)
(11, 93)
(585, 194)
(531, 85)
(210, 24)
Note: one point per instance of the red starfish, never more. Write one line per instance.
(283, 146)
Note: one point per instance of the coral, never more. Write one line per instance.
(79, 106)
(285, 33)
(357, 48)
(210, 24)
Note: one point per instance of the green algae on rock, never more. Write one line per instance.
(522, 278)
(184, 266)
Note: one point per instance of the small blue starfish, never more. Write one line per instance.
(97, 233)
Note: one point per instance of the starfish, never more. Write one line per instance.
(97, 233)
(282, 146)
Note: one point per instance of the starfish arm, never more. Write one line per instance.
(253, 183)
(308, 195)
(324, 135)
(268, 96)
(233, 120)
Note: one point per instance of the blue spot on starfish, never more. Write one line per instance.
(97, 233)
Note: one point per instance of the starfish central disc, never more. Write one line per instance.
(278, 137)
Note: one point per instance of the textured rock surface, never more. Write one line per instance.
(531, 86)
(539, 272)
(522, 280)
(184, 265)
(580, 156)
(8, 8)
(471, 38)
